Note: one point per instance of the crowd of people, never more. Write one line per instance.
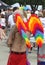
(15, 41)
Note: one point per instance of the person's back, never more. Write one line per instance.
(17, 45)
(17, 42)
(17, 48)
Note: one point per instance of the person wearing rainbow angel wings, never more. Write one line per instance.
(20, 38)
(17, 43)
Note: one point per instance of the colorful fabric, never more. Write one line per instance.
(16, 58)
(33, 25)
(22, 28)
(41, 63)
(36, 28)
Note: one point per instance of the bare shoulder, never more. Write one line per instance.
(13, 29)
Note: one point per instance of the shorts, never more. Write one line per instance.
(16, 58)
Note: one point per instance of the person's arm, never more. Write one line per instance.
(2, 34)
(9, 41)
(28, 34)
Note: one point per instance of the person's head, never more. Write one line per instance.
(2, 15)
(19, 12)
(43, 13)
(39, 13)
(15, 8)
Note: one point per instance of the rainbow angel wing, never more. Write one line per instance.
(36, 28)
(33, 25)
(22, 29)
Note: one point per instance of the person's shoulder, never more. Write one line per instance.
(10, 16)
(14, 27)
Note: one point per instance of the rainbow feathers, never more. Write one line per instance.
(36, 28)
(26, 39)
(22, 29)
(34, 25)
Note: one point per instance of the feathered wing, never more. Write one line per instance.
(36, 28)
(22, 29)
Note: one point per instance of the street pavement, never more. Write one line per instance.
(4, 53)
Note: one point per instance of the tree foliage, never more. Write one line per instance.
(31, 2)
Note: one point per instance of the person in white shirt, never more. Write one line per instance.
(11, 21)
(3, 22)
(10, 18)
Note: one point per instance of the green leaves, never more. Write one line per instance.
(10, 2)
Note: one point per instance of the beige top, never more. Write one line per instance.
(15, 41)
